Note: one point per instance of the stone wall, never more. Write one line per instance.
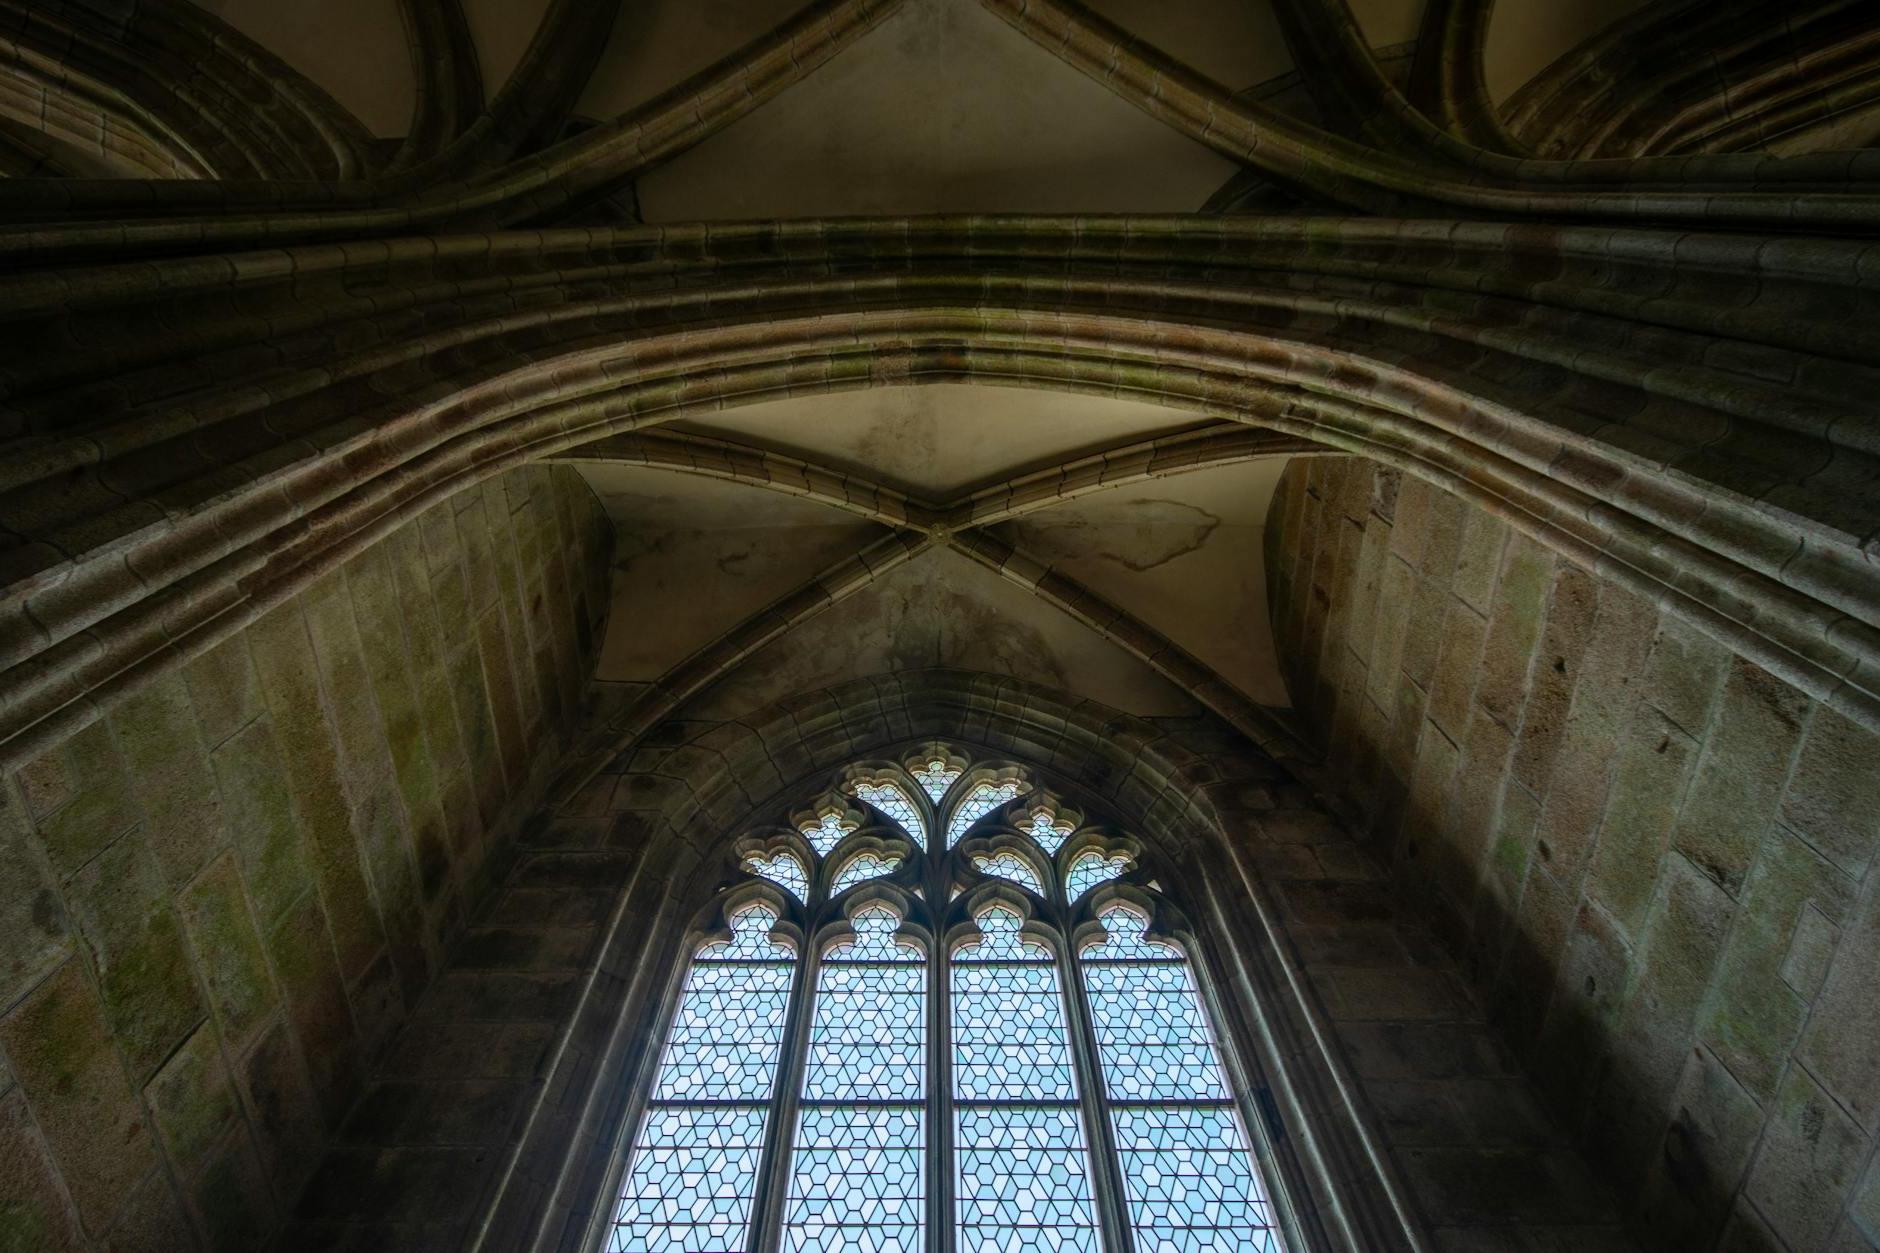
(218, 903)
(1652, 858)
(498, 1108)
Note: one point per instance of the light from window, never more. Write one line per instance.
(1061, 1090)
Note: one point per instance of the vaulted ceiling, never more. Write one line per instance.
(942, 108)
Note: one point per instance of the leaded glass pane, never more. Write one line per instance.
(1090, 868)
(1190, 1183)
(858, 1180)
(1009, 865)
(691, 1181)
(784, 870)
(1022, 1181)
(750, 939)
(936, 777)
(1009, 1039)
(1125, 939)
(1049, 833)
(861, 868)
(727, 1033)
(1155, 1044)
(869, 1038)
(976, 804)
(827, 832)
(895, 803)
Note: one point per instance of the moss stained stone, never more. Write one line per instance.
(123, 912)
(170, 774)
(100, 808)
(72, 1078)
(260, 808)
(192, 1099)
(33, 1214)
(34, 936)
(215, 911)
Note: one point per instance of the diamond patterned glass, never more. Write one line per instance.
(861, 868)
(1090, 868)
(784, 870)
(693, 1174)
(895, 803)
(1013, 1087)
(827, 832)
(1189, 1181)
(857, 1173)
(1009, 865)
(1049, 833)
(976, 804)
(858, 1180)
(936, 777)
(1023, 1185)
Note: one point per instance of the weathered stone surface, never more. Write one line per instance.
(223, 689)
(1833, 798)
(260, 809)
(34, 1217)
(1733, 797)
(70, 1073)
(170, 776)
(123, 911)
(1841, 1046)
(193, 1100)
(97, 807)
(1810, 1156)
(215, 913)
(34, 935)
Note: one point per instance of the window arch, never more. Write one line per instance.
(941, 1012)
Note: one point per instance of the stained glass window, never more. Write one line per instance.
(979, 801)
(895, 803)
(1009, 865)
(858, 1172)
(784, 870)
(1090, 868)
(936, 777)
(694, 1171)
(1189, 1179)
(862, 867)
(930, 1095)
(1048, 831)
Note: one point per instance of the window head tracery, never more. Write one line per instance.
(996, 1006)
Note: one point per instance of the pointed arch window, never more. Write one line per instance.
(995, 1046)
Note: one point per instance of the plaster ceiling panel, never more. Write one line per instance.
(942, 609)
(501, 31)
(1184, 554)
(354, 49)
(943, 108)
(1237, 43)
(1386, 23)
(658, 44)
(695, 556)
(937, 440)
(1526, 36)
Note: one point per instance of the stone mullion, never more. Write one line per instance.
(773, 1181)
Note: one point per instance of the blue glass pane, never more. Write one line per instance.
(1008, 865)
(869, 1038)
(935, 778)
(784, 870)
(690, 1184)
(750, 939)
(1022, 1183)
(1126, 939)
(861, 868)
(1154, 1041)
(895, 803)
(981, 800)
(1009, 1037)
(857, 1181)
(1048, 831)
(1189, 1182)
(827, 832)
(1090, 868)
(727, 1033)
